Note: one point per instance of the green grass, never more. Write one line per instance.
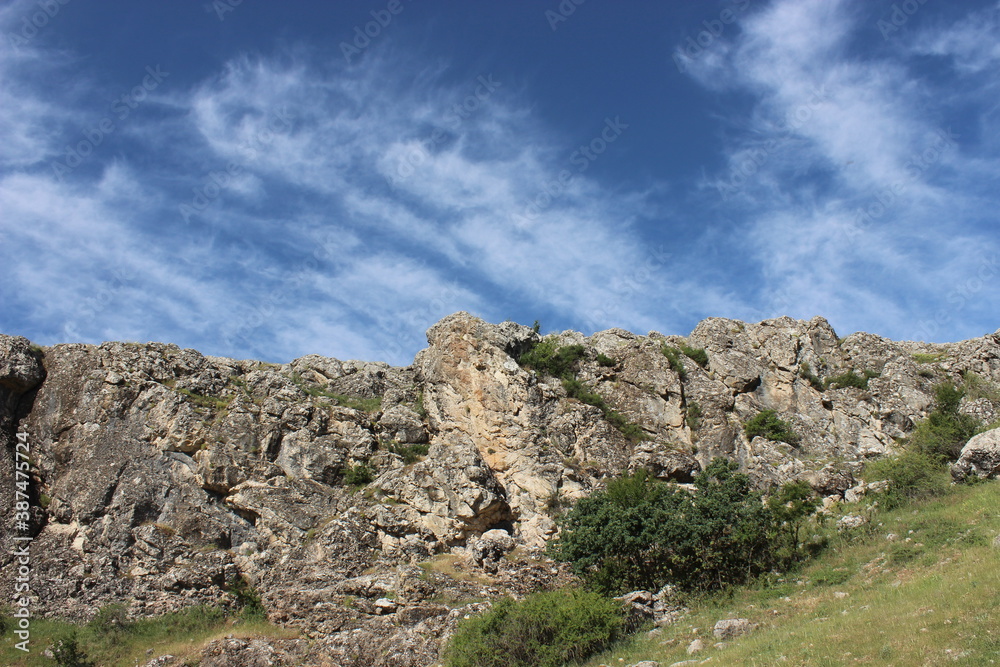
(934, 599)
(924, 358)
(353, 402)
(673, 356)
(805, 370)
(411, 453)
(213, 402)
(182, 634)
(976, 387)
(850, 379)
(695, 354)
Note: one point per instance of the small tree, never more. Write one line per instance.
(791, 505)
(67, 653)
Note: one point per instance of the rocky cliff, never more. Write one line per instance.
(355, 496)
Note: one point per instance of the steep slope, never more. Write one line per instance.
(161, 475)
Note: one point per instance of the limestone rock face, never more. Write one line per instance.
(979, 457)
(373, 506)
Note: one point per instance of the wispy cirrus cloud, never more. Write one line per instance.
(856, 197)
(277, 219)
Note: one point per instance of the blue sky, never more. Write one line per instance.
(268, 180)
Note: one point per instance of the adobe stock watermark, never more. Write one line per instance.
(30, 25)
(959, 297)
(266, 306)
(417, 156)
(94, 135)
(98, 301)
(626, 286)
(749, 164)
(581, 158)
(692, 48)
(447, 300)
(886, 198)
(898, 17)
(22, 541)
(216, 182)
(364, 34)
(563, 11)
(223, 7)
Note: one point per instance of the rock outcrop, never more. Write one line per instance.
(980, 457)
(370, 505)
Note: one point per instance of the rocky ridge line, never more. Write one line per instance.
(368, 503)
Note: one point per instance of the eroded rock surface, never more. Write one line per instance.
(373, 506)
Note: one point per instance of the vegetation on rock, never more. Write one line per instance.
(767, 424)
(945, 431)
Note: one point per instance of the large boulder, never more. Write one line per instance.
(980, 457)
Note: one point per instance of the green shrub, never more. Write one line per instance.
(205, 401)
(922, 358)
(67, 653)
(975, 387)
(912, 475)
(418, 405)
(768, 425)
(696, 354)
(576, 389)
(357, 475)
(548, 358)
(605, 360)
(111, 619)
(692, 415)
(945, 431)
(673, 356)
(546, 629)
(247, 599)
(791, 505)
(410, 453)
(850, 379)
(643, 533)
(805, 370)
(630, 430)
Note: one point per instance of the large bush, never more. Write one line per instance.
(912, 475)
(767, 424)
(549, 358)
(643, 533)
(945, 431)
(544, 630)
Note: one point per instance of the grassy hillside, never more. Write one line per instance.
(107, 641)
(919, 586)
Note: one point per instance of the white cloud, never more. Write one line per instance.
(973, 42)
(833, 134)
(288, 227)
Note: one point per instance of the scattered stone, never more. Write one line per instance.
(732, 627)
(850, 521)
(695, 646)
(385, 606)
(840, 595)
